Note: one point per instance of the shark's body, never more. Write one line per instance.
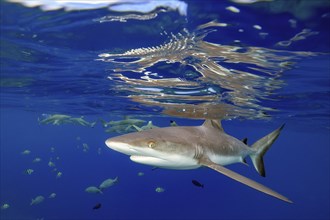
(58, 119)
(190, 147)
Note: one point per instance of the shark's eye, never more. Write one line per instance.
(151, 144)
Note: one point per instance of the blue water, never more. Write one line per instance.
(51, 64)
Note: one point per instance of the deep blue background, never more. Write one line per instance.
(297, 166)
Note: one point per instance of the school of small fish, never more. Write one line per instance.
(104, 185)
(128, 124)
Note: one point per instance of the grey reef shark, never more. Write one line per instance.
(191, 147)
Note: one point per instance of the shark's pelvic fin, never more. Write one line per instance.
(243, 161)
(242, 179)
(261, 147)
(216, 124)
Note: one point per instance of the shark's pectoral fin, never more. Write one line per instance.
(242, 179)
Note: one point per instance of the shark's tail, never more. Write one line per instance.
(261, 147)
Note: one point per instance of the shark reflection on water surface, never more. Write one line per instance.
(191, 147)
(187, 73)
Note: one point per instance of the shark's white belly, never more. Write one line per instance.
(225, 160)
(176, 162)
(179, 162)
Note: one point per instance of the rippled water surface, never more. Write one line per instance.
(74, 74)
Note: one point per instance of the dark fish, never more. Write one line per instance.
(97, 206)
(196, 183)
(154, 168)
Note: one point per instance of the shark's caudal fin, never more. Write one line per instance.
(137, 128)
(261, 147)
(231, 174)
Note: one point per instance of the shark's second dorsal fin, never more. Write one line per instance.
(213, 124)
(245, 141)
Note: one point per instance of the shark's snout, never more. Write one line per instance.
(120, 146)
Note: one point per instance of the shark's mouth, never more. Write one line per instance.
(149, 160)
(169, 162)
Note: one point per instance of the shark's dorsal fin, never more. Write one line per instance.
(213, 124)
